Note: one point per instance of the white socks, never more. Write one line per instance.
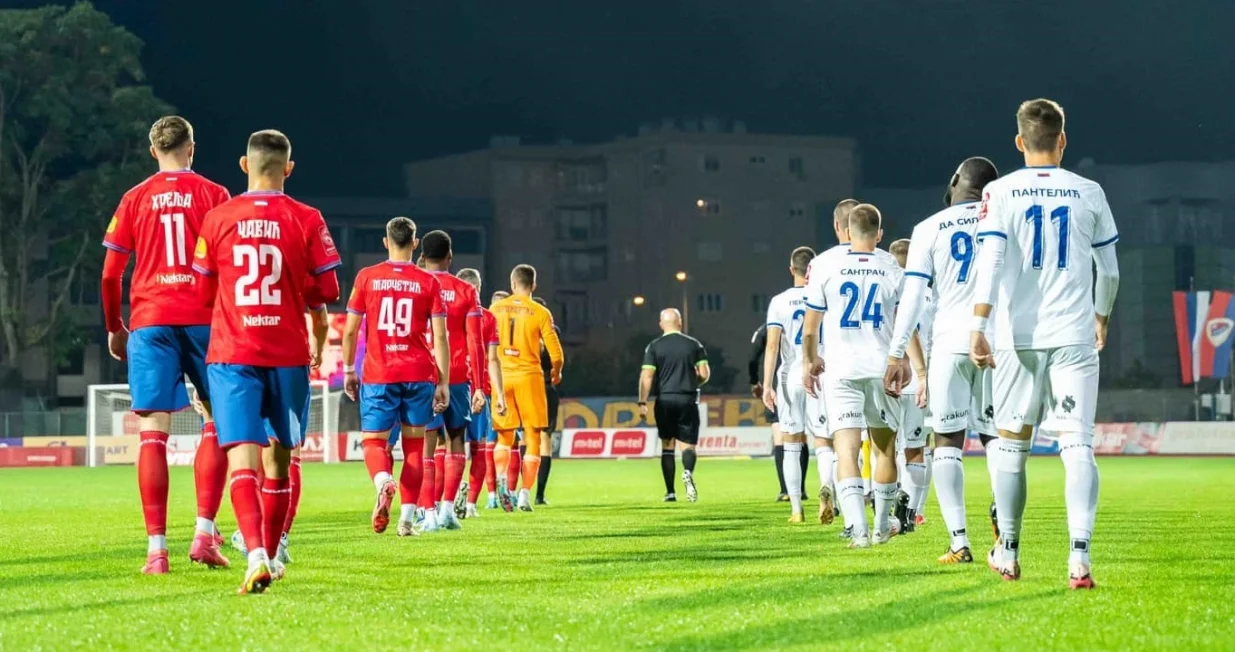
(1010, 492)
(852, 506)
(791, 464)
(992, 458)
(205, 525)
(825, 463)
(950, 488)
(928, 458)
(381, 479)
(1080, 493)
(156, 543)
(407, 513)
(885, 498)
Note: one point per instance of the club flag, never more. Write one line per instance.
(1203, 327)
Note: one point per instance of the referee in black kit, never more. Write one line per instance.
(674, 366)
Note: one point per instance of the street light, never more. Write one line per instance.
(638, 301)
(681, 277)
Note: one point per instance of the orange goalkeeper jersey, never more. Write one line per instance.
(522, 326)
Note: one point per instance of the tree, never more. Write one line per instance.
(73, 122)
(606, 371)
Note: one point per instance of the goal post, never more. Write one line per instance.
(110, 421)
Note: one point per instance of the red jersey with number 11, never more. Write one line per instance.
(397, 299)
(265, 249)
(158, 221)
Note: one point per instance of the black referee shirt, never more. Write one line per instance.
(674, 356)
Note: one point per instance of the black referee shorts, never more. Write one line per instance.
(677, 417)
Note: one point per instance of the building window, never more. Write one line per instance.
(709, 252)
(711, 163)
(707, 206)
(571, 312)
(582, 265)
(759, 303)
(581, 223)
(710, 302)
(797, 168)
(368, 240)
(1185, 266)
(798, 209)
(758, 160)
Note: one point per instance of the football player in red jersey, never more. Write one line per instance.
(463, 325)
(403, 379)
(157, 221)
(266, 259)
(481, 436)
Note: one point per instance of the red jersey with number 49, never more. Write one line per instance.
(397, 300)
(265, 249)
(488, 334)
(158, 221)
(461, 302)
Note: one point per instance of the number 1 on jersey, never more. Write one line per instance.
(1061, 216)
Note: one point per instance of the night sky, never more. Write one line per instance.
(364, 86)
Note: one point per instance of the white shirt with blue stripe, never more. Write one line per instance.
(858, 293)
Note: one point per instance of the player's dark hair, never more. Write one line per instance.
(800, 259)
(269, 151)
(171, 132)
(864, 221)
(970, 178)
(900, 249)
(435, 245)
(498, 296)
(524, 276)
(470, 276)
(1040, 122)
(401, 231)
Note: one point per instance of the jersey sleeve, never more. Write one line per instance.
(119, 235)
(323, 255)
(1104, 233)
(992, 220)
(813, 292)
(204, 252)
(776, 316)
(920, 262)
(356, 302)
(550, 340)
(701, 354)
(649, 356)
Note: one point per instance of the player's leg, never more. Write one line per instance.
(490, 465)
(238, 408)
(209, 462)
(381, 406)
(687, 413)
(477, 433)
(950, 378)
(846, 420)
(666, 430)
(546, 445)
(928, 460)
(1073, 373)
(286, 407)
(456, 419)
(778, 455)
(426, 519)
(156, 381)
(911, 435)
(1019, 383)
(883, 416)
(791, 406)
(505, 425)
(294, 478)
(533, 406)
(866, 464)
(416, 411)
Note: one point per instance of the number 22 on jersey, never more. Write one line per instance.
(255, 259)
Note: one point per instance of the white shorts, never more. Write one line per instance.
(1056, 388)
(961, 395)
(913, 430)
(859, 404)
(800, 413)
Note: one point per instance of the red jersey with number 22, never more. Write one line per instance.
(265, 247)
(461, 302)
(397, 299)
(158, 221)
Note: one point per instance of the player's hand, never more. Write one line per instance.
(478, 401)
(555, 377)
(200, 408)
(892, 378)
(1100, 326)
(921, 398)
(756, 390)
(980, 351)
(441, 398)
(769, 398)
(810, 377)
(118, 343)
(315, 359)
(499, 404)
(643, 411)
(351, 385)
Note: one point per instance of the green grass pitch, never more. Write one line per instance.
(608, 566)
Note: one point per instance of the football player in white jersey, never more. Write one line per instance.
(941, 253)
(854, 295)
(914, 430)
(1042, 226)
(796, 415)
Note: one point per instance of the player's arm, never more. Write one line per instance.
(319, 319)
(993, 238)
(205, 262)
(552, 344)
(441, 348)
(351, 338)
(918, 271)
(646, 375)
(771, 353)
(473, 330)
(754, 364)
(1106, 285)
(324, 260)
(496, 383)
(702, 371)
(119, 242)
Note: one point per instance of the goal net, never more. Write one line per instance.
(111, 425)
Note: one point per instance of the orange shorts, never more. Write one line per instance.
(527, 405)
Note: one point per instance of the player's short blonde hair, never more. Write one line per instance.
(840, 214)
(900, 249)
(171, 132)
(1039, 123)
(864, 221)
(269, 151)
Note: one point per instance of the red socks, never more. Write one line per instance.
(513, 469)
(276, 495)
(209, 473)
(152, 480)
(427, 483)
(477, 475)
(247, 504)
(455, 464)
(490, 468)
(413, 471)
(439, 481)
(293, 476)
(375, 456)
